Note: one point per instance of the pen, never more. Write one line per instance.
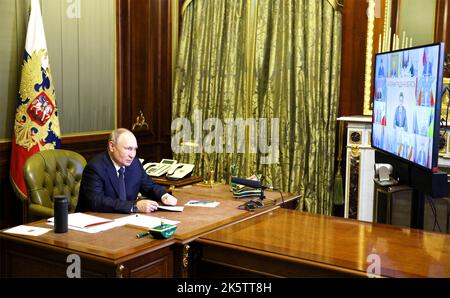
(140, 235)
(201, 202)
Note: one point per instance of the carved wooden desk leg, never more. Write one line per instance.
(181, 261)
(186, 256)
(119, 271)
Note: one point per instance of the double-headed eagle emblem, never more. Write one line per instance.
(36, 121)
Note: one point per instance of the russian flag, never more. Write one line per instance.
(36, 124)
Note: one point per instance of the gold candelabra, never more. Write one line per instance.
(209, 181)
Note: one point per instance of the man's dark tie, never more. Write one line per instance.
(122, 193)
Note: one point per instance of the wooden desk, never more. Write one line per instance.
(198, 221)
(295, 244)
(117, 252)
(112, 253)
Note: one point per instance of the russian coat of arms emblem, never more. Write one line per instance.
(36, 121)
(40, 109)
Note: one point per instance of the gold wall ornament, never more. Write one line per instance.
(140, 121)
(367, 110)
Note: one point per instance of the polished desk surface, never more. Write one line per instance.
(340, 243)
(117, 244)
(196, 221)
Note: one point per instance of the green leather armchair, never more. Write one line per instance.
(49, 173)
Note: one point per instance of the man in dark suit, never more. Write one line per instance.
(421, 157)
(112, 180)
(400, 120)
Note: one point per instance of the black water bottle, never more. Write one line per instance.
(61, 211)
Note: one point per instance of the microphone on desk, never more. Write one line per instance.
(255, 184)
(251, 183)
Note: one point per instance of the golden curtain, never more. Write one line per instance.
(295, 50)
(209, 79)
(297, 80)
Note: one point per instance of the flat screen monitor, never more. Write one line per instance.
(408, 85)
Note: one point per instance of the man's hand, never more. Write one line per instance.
(168, 199)
(146, 206)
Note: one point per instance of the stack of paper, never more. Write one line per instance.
(82, 220)
(27, 230)
(171, 208)
(88, 223)
(94, 224)
(144, 221)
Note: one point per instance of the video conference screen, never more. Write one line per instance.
(406, 103)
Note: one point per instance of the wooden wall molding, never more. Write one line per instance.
(144, 73)
(354, 31)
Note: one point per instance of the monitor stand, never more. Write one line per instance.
(422, 181)
(417, 209)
